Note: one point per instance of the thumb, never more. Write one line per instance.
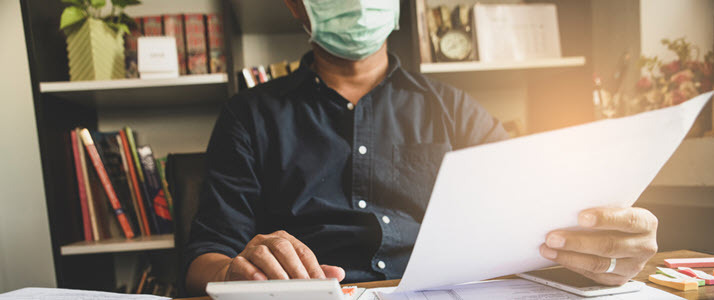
(333, 272)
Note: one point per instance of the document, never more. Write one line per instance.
(492, 205)
(66, 294)
(516, 289)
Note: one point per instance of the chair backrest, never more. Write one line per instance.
(184, 175)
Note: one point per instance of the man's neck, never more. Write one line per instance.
(351, 79)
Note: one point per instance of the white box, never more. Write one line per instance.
(158, 57)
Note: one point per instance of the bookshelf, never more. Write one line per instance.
(477, 66)
(184, 90)
(142, 243)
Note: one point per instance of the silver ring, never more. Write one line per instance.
(613, 262)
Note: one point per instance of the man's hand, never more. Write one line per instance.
(627, 234)
(278, 255)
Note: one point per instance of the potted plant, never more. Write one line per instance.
(95, 38)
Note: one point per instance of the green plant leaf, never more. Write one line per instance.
(71, 16)
(74, 2)
(98, 3)
(126, 19)
(125, 3)
(119, 27)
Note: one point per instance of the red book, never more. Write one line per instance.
(135, 184)
(216, 52)
(104, 178)
(173, 26)
(197, 61)
(153, 26)
(81, 187)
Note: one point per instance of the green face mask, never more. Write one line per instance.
(352, 29)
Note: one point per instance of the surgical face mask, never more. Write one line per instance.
(351, 29)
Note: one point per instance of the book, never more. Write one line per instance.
(173, 26)
(154, 189)
(149, 207)
(248, 81)
(81, 188)
(107, 223)
(133, 178)
(279, 69)
(131, 57)
(110, 153)
(262, 75)
(423, 31)
(197, 61)
(161, 167)
(216, 52)
(91, 207)
(130, 186)
(294, 65)
(104, 178)
(153, 26)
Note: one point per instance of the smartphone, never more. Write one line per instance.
(569, 281)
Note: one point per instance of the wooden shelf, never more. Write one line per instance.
(692, 165)
(476, 66)
(189, 89)
(154, 242)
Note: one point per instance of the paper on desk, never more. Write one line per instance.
(492, 205)
(66, 294)
(517, 289)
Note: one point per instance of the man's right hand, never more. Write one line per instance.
(279, 255)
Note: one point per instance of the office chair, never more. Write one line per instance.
(184, 174)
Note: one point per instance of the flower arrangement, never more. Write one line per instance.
(666, 84)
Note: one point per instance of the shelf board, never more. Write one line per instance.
(475, 66)
(154, 242)
(691, 165)
(189, 89)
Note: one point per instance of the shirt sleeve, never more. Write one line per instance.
(225, 220)
(475, 125)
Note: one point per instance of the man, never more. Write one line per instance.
(327, 172)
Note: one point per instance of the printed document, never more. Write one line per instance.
(492, 205)
(67, 294)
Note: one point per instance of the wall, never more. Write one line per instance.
(693, 19)
(25, 249)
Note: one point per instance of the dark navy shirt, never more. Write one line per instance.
(352, 182)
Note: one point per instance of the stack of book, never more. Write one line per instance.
(122, 189)
(199, 42)
(252, 76)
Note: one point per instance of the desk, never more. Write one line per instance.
(705, 292)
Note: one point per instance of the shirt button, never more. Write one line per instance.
(381, 264)
(362, 204)
(317, 80)
(386, 220)
(350, 106)
(362, 150)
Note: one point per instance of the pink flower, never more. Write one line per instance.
(671, 68)
(677, 97)
(682, 76)
(644, 84)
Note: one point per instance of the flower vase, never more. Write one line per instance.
(95, 52)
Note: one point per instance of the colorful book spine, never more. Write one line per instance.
(130, 187)
(154, 189)
(135, 182)
(173, 26)
(161, 166)
(131, 57)
(196, 55)
(142, 181)
(104, 178)
(91, 208)
(81, 189)
(217, 56)
(153, 26)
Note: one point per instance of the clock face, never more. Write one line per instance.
(455, 45)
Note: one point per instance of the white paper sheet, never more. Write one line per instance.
(516, 289)
(493, 205)
(66, 294)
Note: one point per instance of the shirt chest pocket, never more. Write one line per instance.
(414, 169)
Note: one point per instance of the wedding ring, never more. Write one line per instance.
(613, 262)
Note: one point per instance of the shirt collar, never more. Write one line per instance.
(305, 74)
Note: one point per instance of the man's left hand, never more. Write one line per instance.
(627, 234)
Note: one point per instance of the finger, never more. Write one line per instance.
(602, 278)
(602, 243)
(629, 219)
(285, 253)
(333, 272)
(308, 258)
(591, 263)
(242, 269)
(261, 257)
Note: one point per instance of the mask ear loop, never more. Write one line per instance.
(310, 19)
(397, 11)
